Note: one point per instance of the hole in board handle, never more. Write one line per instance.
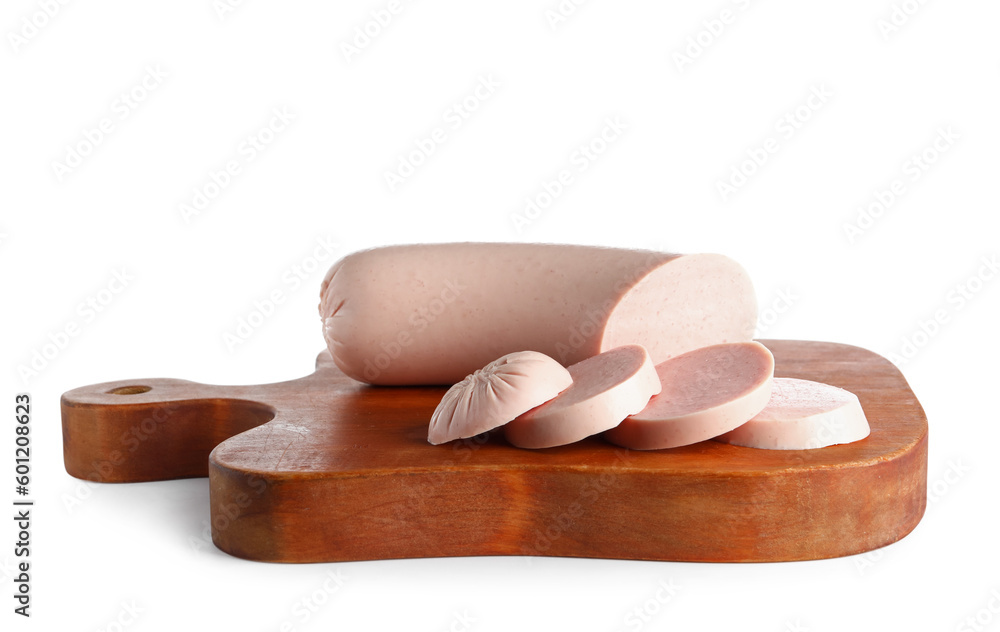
(129, 390)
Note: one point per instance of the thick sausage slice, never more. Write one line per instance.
(497, 393)
(606, 388)
(706, 392)
(433, 313)
(803, 415)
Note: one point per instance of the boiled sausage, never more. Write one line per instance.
(606, 388)
(434, 313)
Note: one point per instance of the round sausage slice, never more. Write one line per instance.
(803, 415)
(606, 388)
(705, 392)
(497, 393)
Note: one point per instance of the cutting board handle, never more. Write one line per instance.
(152, 429)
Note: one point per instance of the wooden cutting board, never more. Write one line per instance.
(324, 468)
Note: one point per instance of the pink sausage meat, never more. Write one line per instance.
(803, 415)
(496, 394)
(706, 392)
(434, 313)
(606, 388)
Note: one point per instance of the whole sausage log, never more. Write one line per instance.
(433, 313)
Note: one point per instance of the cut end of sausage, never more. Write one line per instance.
(606, 388)
(496, 394)
(803, 415)
(705, 392)
(683, 304)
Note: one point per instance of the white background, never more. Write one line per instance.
(889, 93)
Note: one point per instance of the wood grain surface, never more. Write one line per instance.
(324, 468)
